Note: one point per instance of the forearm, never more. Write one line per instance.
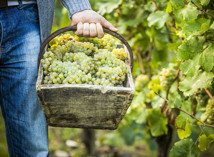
(74, 6)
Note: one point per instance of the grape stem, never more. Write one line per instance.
(173, 27)
(202, 9)
(202, 129)
(177, 77)
(168, 34)
(205, 124)
(148, 59)
(210, 95)
(199, 136)
(170, 24)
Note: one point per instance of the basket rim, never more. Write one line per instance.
(99, 87)
(74, 28)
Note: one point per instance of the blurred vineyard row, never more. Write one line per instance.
(65, 142)
(142, 23)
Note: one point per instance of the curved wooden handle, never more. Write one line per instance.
(74, 28)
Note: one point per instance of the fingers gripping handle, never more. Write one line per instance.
(74, 28)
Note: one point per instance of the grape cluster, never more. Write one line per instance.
(74, 60)
(60, 40)
(107, 42)
(201, 97)
(120, 53)
(167, 76)
(154, 86)
(208, 115)
(141, 81)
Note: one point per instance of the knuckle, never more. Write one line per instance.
(100, 35)
(92, 35)
(86, 33)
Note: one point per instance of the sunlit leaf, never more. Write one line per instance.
(157, 122)
(183, 126)
(189, 12)
(184, 148)
(207, 58)
(178, 3)
(169, 7)
(158, 18)
(205, 2)
(109, 6)
(189, 67)
(199, 80)
(190, 48)
(204, 141)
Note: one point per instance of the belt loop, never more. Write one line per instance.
(20, 4)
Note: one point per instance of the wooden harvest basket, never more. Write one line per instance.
(84, 106)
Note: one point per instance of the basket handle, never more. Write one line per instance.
(74, 28)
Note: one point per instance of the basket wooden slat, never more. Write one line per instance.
(84, 106)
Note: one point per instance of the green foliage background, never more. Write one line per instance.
(178, 36)
(167, 34)
(164, 34)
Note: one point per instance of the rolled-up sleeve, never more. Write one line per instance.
(74, 6)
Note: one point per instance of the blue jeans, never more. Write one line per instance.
(25, 124)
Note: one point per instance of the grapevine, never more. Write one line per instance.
(173, 69)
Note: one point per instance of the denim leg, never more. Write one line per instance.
(25, 124)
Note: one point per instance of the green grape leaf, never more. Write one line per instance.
(150, 7)
(212, 26)
(184, 148)
(204, 27)
(174, 46)
(158, 122)
(190, 48)
(174, 103)
(169, 7)
(139, 18)
(190, 12)
(181, 121)
(199, 80)
(108, 6)
(205, 2)
(189, 67)
(178, 3)
(175, 100)
(204, 141)
(128, 133)
(138, 108)
(138, 100)
(158, 18)
(207, 58)
(140, 115)
(112, 139)
(124, 21)
(183, 125)
(194, 27)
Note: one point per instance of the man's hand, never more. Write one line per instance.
(89, 24)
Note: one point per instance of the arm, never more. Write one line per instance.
(89, 23)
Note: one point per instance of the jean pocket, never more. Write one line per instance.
(4, 45)
(30, 13)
